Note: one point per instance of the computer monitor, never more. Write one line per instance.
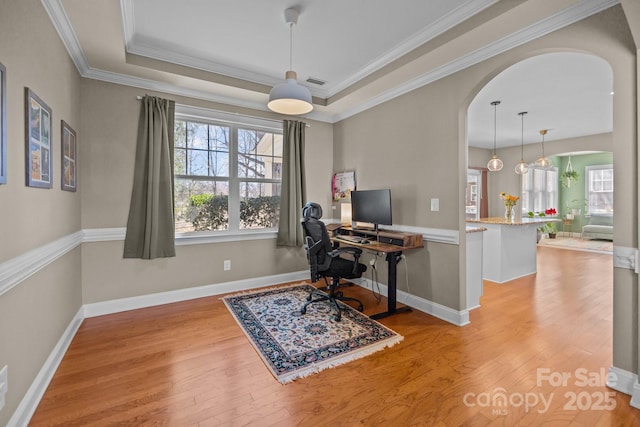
(371, 206)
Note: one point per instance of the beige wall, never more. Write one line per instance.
(109, 128)
(416, 145)
(34, 314)
(427, 160)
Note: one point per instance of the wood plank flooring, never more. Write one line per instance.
(189, 364)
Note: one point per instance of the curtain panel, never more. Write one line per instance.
(150, 227)
(293, 193)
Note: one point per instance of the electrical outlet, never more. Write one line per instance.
(4, 384)
(435, 205)
(227, 264)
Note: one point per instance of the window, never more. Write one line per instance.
(599, 189)
(539, 190)
(227, 174)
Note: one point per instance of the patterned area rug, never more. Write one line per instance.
(293, 345)
(577, 244)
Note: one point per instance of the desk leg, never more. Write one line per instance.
(392, 263)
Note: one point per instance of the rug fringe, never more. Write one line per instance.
(314, 369)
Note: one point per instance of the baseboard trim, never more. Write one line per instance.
(142, 301)
(455, 317)
(31, 399)
(623, 381)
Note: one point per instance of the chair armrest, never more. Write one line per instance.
(346, 250)
(356, 252)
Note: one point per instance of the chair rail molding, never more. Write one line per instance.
(18, 269)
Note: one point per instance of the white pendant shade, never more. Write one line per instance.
(290, 97)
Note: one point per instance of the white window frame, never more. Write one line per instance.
(233, 121)
(537, 199)
(587, 185)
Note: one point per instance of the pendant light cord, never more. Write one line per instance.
(522, 137)
(291, 46)
(495, 124)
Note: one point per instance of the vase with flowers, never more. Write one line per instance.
(509, 203)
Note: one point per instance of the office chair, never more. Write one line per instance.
(324, 261)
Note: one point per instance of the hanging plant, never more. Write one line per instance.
(567, 177)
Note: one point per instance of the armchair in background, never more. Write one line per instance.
(326, 262)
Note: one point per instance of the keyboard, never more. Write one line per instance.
(353, 239)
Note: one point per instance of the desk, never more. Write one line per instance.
(390, 243)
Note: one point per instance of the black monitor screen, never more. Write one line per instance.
(372, 206)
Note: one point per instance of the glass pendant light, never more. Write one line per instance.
(495, 164)
(522, 167)
(544, 162)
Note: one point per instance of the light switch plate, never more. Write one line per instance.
(435, 205)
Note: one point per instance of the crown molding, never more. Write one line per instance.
(61, 22)
(447, 22)
(575, 13)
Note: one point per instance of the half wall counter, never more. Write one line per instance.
(509, 248)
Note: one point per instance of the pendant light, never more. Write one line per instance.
(544, 162)
(290, 97)
(522, 167)
(495, 164)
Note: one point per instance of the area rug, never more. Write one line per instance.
(577, 244)
(293, 345)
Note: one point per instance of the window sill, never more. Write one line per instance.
(202, 238)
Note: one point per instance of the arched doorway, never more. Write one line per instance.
(567, 93)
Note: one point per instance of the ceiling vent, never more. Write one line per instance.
(315, 81)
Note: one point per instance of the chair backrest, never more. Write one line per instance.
(318, 242)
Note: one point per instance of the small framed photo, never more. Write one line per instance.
(38, 141)
(342, 185)
(69, 158)
(3, 124)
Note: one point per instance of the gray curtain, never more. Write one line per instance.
(293, 193)
(150, 228)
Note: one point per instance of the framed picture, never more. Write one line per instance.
(3, 124)
(38, 141)
(68, 161)
(342, 185)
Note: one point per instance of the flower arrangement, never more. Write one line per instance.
(509, 202)
(509, 199)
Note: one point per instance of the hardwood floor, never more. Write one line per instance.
(189, 364)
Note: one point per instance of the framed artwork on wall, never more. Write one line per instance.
(342, 185)
(38, 140)
(69, 158)
(3, 124)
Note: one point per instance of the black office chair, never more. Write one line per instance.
(324, 261)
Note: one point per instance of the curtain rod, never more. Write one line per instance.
(139, 98)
